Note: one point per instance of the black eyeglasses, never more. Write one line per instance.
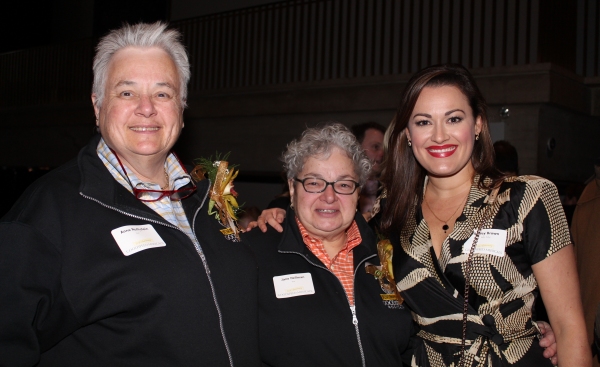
(155, 195)
(316, 185)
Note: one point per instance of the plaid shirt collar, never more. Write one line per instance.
(177, 175)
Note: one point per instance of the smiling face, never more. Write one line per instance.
(141, 115)
(325, 215)
(442, 129)
(372, 144)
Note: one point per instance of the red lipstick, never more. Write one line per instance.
(441, 151)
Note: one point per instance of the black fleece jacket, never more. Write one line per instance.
(318, 329)
(69, 297)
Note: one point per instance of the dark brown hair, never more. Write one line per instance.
(403, 177)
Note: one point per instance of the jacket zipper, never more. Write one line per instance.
(352, 308)
(198, 250)
(212, 287)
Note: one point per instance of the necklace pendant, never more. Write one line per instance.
(445, 227)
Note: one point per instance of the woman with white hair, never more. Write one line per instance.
(113, 259)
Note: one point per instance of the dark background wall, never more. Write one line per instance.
(262, 71)
(34, 23)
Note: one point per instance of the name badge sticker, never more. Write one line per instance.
(491, 242)
(132, 239)
(293, 285)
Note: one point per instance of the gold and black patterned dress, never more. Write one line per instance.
(500, 328)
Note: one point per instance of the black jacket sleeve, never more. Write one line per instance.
(34, 312)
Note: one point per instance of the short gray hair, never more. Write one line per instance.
(140, 35)
(319, 141)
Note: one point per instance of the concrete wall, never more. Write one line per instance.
(521, 130)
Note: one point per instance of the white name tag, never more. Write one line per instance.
(132, 239)
(293, 285)
(491, 241)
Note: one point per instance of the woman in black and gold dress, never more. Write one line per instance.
(443, 195)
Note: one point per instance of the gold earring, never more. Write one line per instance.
(476, 136)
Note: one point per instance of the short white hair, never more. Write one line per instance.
(140, 35)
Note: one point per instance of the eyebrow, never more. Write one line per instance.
(129, 82)
(316, 175)
(124, 82)
(446, 114)
(452, 111)
(165, 84)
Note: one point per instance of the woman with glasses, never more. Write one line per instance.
(318, 305)
(438, 140)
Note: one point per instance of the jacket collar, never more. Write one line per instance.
(98, 184)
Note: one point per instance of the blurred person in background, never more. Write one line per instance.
(585, 229)
(370, 137)
(506, 158)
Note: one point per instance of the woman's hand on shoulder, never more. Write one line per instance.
(274, 217)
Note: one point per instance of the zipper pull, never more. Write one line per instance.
(354, 319)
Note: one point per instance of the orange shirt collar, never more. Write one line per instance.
(315, 245)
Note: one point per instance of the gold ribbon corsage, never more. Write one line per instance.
(385, 272)
(223, 204)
